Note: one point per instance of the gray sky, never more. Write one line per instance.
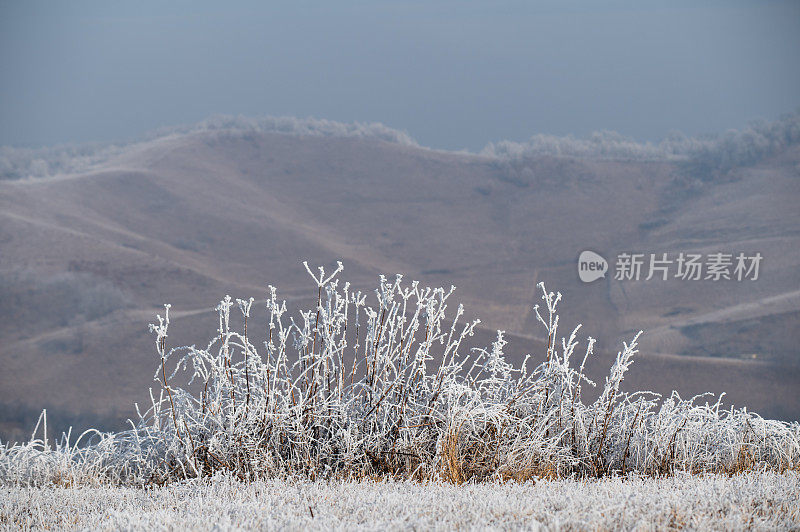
(452, 74)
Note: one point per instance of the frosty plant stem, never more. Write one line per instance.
(161, 345)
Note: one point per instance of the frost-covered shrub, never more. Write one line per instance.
(352, 390)
(242, 126)
(23, 163)
(701, 157)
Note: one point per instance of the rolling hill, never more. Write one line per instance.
(88, 257)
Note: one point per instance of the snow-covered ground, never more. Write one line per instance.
(766, 501)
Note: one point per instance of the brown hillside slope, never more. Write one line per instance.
(86, 260)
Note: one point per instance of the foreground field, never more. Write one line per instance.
(316, 405)
(747, 501)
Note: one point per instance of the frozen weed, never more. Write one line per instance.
(350, 391)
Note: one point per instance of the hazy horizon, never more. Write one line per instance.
(451, 75)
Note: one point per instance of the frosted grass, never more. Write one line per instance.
(750, 501)
(386, 386)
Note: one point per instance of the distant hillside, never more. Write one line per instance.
(87, 257)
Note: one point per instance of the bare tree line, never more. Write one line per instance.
(704, 156)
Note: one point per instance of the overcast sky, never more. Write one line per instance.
(452, 74)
